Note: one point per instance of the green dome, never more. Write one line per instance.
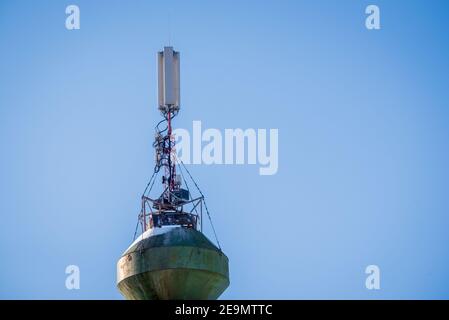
(172, 263)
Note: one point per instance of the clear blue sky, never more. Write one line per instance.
(363, 121)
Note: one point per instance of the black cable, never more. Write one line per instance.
(205, 205)
(137, 226)
(187, 186)
(149, 184)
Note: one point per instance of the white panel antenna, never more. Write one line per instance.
(168, 80)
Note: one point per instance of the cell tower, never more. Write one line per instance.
(172, 258)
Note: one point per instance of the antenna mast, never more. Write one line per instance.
(168, 208)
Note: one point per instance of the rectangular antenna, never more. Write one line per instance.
(168, 79)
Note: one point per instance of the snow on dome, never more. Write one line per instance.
(155, 231)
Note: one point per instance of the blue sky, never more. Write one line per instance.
(363, 141)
